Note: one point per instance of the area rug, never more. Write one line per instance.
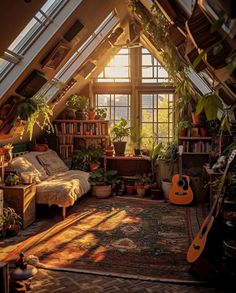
(141, 238)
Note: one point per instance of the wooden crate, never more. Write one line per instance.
(22, 199)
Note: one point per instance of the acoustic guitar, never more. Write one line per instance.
(199, 242)
(180, 192)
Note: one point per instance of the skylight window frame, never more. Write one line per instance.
(32, 34)
(83, 52)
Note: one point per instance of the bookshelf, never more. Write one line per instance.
(69, 130)
(196, 144)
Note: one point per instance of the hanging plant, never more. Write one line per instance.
(156, 27)
(34, 111)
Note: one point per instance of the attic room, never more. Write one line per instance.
(117, 146)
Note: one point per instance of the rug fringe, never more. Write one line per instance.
(119, 275)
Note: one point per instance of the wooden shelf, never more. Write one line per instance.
(195, 138)
(81, 121)
(195, 153)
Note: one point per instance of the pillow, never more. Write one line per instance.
(32, 158)
(20, 165)
(52, 163)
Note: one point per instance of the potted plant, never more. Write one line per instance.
(136, 139)
(118, 132)
(78, 104)
(167, 166)
(91, 113)
(12, 180)
(34, 111)
(182, 127)
(95, 156)
(142, 184)
(11, 222)
(101, 182)
(101, 113)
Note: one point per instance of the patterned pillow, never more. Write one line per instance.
(32, 158)
(20, 165)
(52, 163)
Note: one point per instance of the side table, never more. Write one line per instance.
(22, 199)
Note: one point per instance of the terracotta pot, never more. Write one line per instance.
(130, 189)
(109, 153)
(141, 190)
(94, 166)
(195, 118)
(182, 132)
(91, 115)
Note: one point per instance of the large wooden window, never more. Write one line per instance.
(118, 106)
(157, 117)
(148, 99)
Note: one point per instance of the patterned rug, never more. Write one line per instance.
(135, 237)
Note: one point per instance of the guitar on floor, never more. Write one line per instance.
(199, 242)
(181, 192)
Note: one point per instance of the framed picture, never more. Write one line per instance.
(32, 84)
(54, 59)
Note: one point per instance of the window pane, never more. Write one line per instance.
(103, 100)
(121, 112)
(147, 72)
(147, 101)
(118, 69)
(147, 60)
(163, 130)
(147, 115)
(24, 35)
(163, 116)
(121, 100)
(163, 101)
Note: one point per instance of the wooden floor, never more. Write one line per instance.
(51, 281)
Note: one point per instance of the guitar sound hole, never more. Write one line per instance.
(183, 183)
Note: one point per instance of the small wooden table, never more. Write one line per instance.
(22, 199)
(128, 165)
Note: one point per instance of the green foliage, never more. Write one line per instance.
(210, 104)
(120, 130)
(35, 111)
(101, 113)
(136, 137)
(144, 179)
(76, 102)
(102, 177)
(169, 153)
(10, 218)
(82, 159)
(12, 179)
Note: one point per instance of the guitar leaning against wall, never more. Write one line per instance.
(199, 242)
(181, 192)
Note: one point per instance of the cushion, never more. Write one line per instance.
(21, 164)
(52, 163)
(32, 158)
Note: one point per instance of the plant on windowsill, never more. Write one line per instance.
(101, 182)
(91, 113)
(136, 139)
(119, 131)
(34, 111)
(101, 113)
(78, 105)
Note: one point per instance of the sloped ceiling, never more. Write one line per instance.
(91, 13)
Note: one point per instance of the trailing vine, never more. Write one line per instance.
(156, 27)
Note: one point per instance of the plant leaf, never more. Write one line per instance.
(212, 105)
(200, 57)
(217, 49)
(200, 104)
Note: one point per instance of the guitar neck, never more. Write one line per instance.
(180, 168)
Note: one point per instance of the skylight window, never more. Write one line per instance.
(87, 48)
(31, 32)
